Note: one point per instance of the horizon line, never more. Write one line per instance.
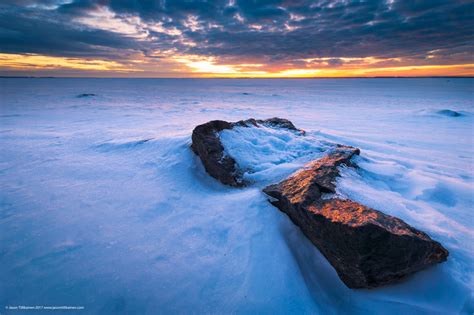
(256, 78)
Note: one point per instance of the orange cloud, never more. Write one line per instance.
(206, 67)
(356, 67)
(39, 62)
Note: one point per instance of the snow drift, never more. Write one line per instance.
(93, 215)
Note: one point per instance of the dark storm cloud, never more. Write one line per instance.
(269, 30)
(31, 30)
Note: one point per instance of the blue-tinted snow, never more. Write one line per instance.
(267, 154)
(104, 205)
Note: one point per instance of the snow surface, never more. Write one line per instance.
(103, 204)
(268, 154)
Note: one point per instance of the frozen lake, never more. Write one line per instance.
(104, 205)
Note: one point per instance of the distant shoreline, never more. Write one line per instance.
(242, 78)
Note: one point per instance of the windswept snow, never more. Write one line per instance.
(104, 205)
(268, 154)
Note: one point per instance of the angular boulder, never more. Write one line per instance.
(207, 145)
(366, 247)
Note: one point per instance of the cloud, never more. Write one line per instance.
(278, 34)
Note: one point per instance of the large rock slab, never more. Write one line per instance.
(366, 247)
(208, 146)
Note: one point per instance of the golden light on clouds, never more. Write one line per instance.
(233, 39)
(365, 67)
(206, 67)
(40, 62)
(428, 70)
(209, 67)
(203, 67)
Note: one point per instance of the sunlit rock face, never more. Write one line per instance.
(207, 144)
(366, 247)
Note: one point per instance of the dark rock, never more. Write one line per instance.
(449, 113)
(366, 247)
(207, 145)
(85, 95)
(280, 122)
(272, 122)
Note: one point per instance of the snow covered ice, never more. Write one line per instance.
(103, 204)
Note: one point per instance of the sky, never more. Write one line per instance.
(236, 38)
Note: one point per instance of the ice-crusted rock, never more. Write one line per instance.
(366, 247)
(274, 122)
(208, 146)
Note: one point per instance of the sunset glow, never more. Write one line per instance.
(27, 61)
(194, 67)
(236, 157)
(234, 40)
